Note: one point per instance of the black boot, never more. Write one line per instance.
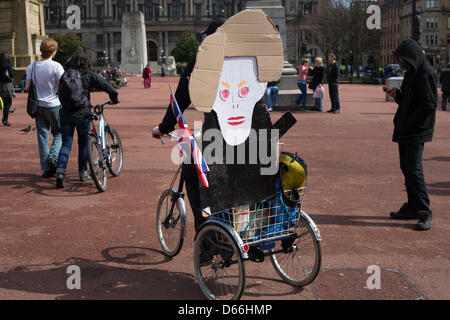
(404, 213)
(59, 180)
(424, 224)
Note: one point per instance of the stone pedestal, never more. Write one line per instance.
(134, 49)
(393, 82)
(288, 90)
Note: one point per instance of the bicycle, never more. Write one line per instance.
(171, 214)
(248, 232)
(104, 149)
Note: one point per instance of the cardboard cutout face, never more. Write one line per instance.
(239, 90)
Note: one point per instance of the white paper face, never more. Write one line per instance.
(239, 90)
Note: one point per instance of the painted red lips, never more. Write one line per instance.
(235, 121)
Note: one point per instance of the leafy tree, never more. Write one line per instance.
(185, 48)
(68, 44)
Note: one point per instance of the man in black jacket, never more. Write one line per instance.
(169, 121)
(413, 126)
(332, 79)
(445, 86)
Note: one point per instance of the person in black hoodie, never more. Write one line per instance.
(445, 86)
(7, 74)
(69, 120)
(413, 126)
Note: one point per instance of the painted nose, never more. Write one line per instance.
(235, 106)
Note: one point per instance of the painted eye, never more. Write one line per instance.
(224, 94)
(243, 92)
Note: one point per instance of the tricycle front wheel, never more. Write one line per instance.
(218, 264)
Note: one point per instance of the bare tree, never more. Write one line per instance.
(341, 29)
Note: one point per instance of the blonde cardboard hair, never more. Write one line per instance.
(250, 33)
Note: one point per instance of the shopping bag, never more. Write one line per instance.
(319, 92)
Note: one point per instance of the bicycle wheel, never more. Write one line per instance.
(114, 145)
(299, 263)
(218, 264)
(170, 227)
(96, 164)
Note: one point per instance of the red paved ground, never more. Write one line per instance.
(354, 181)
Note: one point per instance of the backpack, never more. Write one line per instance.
(71, 93)
(292, 173)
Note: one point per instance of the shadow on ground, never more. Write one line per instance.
(33, 183)
(107, 279)
(439, 188)
(360, 221)
(438, 159)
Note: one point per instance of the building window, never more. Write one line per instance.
(198, 11)
(157, 8)
(100, 12)
(169, 11)
(176, 10)
(99, 41)
(117, 36)
(148, 10)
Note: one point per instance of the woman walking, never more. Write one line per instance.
(317, 80)
(72, 117)
(7, 74)
(46, 74)
(147, 75)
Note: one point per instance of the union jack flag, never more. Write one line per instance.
(199, 161)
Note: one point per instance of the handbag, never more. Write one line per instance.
(7, 87)
(32, 102)
(7, 90)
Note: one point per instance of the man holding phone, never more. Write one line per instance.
(413, 126)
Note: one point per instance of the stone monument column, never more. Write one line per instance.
(134, 40)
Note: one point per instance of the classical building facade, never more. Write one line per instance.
(165, 21)
(435, 27)
(390, 31)
(21, 31)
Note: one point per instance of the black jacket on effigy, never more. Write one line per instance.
(417, 98)
(445, 81)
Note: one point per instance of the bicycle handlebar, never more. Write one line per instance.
(175, 138)
(99, 107)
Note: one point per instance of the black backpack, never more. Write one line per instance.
(71, 93)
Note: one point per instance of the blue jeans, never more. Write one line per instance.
(302, 87)
(318, 103)
(68, 125)
(271, 96)
(46, 120)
